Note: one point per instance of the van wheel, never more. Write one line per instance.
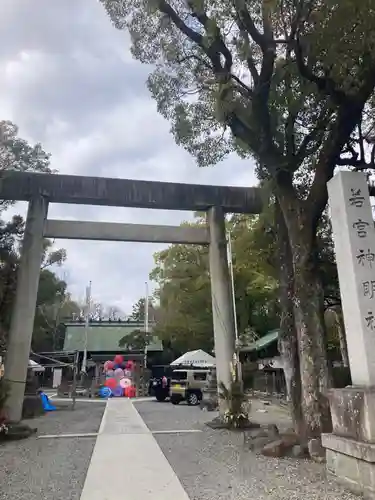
(193, 399)
(175, 401)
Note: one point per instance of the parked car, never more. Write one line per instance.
(187, 384)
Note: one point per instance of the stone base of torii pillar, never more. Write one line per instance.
(350, 448)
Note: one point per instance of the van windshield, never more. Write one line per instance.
(179, 375)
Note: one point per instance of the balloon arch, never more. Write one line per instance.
(119, 381)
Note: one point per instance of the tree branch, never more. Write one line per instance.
(248, 23)
(166, 9)
(249, 59)
(244, 89)
(325, 85)
(218, 45)
(361, 141)
(347, 118)
(358, 162)
(215, 50)
(314, 136)
(262, 83)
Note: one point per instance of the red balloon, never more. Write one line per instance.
(118, 359)
(130, 392)
(130, 365)
(111, 383)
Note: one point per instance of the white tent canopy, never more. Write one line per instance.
(198, 359)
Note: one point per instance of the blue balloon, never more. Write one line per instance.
(105, 392)
(118, 392)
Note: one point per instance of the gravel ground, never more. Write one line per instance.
(216, 465)
(50, 469)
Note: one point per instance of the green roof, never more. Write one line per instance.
(263, 342)
(103, 336)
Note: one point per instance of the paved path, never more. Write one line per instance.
(127, 460)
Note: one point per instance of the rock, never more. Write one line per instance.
(290, 440)
(274, 449)
(256, 439)
(254, 433)
(217, 423)
(299, 451)
(316, 450)
(259, 443)
(250, 435)
(290, 431)
(273, 431)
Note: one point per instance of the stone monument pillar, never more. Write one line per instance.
(22, 323)
(222, 304)
(351, 446)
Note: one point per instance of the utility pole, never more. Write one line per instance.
(87, 325)
(230, 264)
(146, 323)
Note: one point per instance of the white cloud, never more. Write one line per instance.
(68, 80)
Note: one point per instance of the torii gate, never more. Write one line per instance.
(41, 189)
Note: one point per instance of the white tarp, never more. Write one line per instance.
(198, 359)
(35, 367)
(57, 377)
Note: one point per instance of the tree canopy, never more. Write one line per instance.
(137, 340)
(53, 302)
(184, 314)
(279, 74)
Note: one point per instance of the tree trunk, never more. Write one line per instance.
(308, 311)
(342, 337)
(309, 319)
(288, 345)
(315, 376)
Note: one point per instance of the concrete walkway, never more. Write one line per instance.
(127, 460)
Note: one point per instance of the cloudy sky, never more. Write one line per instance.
(67, 80)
